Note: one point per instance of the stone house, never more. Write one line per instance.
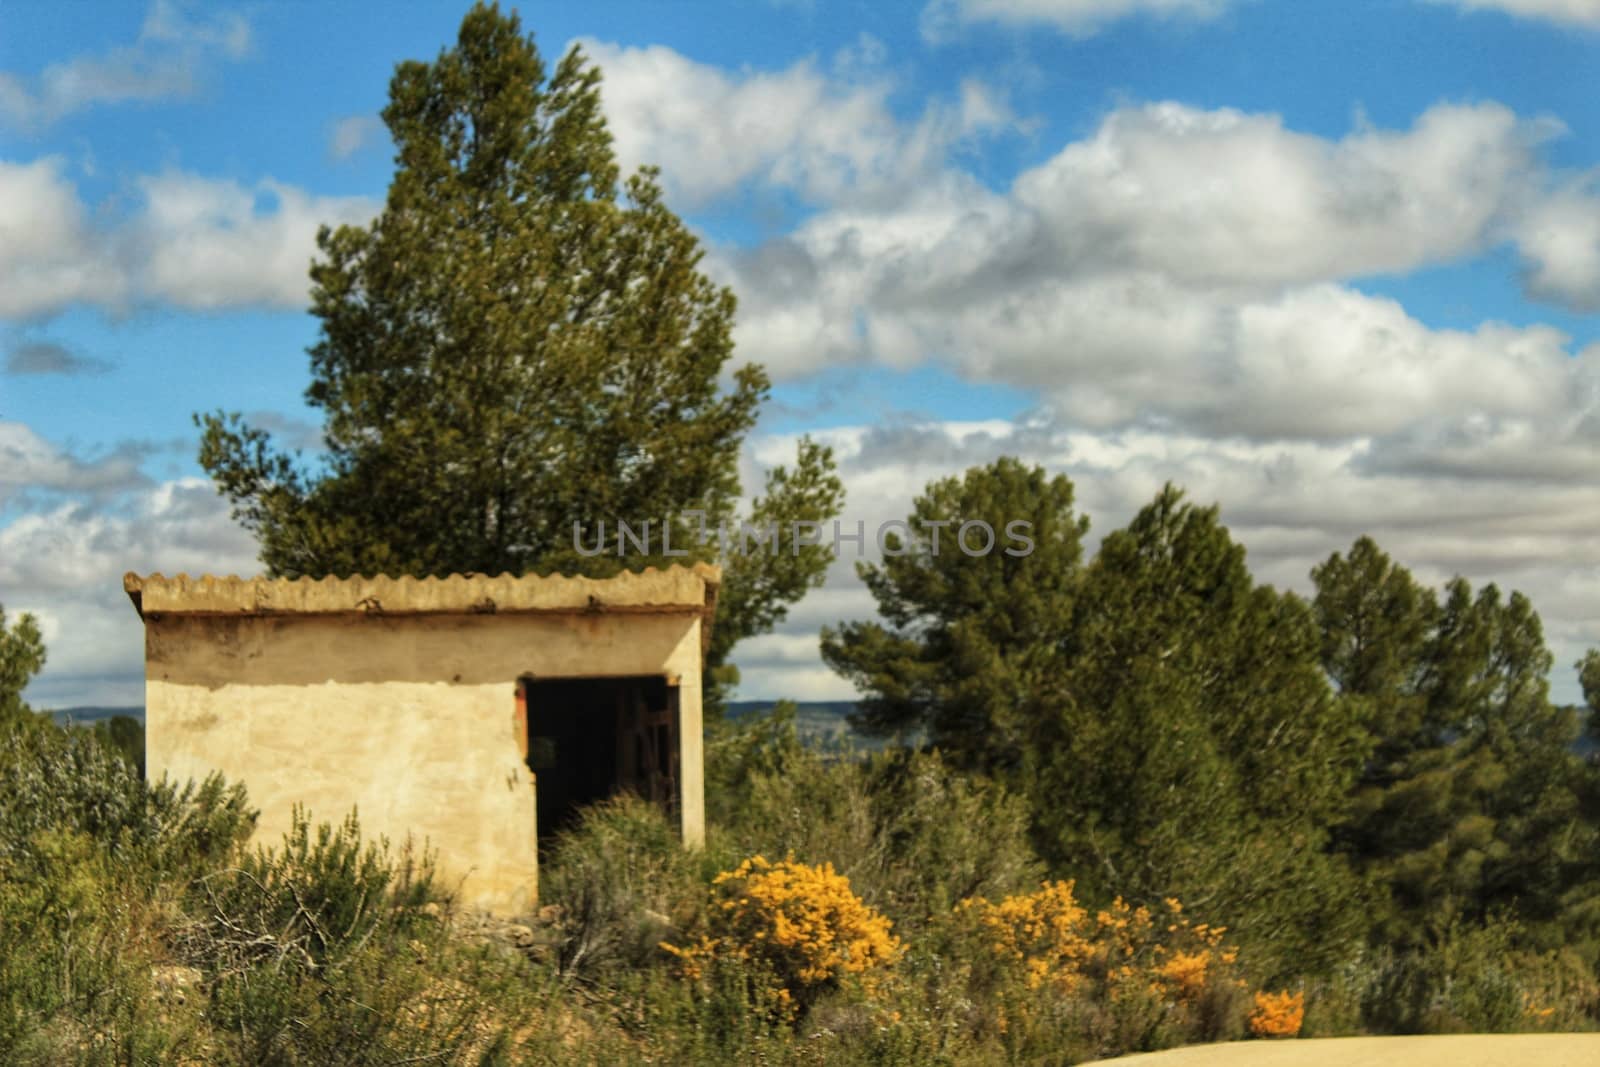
(473, 713)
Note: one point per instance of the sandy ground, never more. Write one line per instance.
(1465, 1050)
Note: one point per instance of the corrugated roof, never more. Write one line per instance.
(677, 589)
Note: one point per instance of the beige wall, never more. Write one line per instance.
(408, 718)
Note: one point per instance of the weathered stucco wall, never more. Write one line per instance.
(409, 718)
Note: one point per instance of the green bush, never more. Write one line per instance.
(623, 883)
(68, 779)
(328, 949)
(913, 835)
(91, 861)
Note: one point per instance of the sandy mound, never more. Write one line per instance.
(1464, 1050)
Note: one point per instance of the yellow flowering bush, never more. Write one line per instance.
(1135, 970)
(801, 923)
(1278, 1014)
(1054, 941)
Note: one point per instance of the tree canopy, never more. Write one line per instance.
(1367, 768)
(965, 639)
(519, 348)
(21, 657)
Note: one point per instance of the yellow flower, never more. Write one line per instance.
(1278, 1014)
(803, 921)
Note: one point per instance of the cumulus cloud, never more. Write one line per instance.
(944, 19)
(65, 565)
(822, 135)
(1584, 13)
(1186, 269)
(1175, 291)
(1559, 237)
(76, 526)
(50, 256)
(205, 243)
(164, 61)
(28, 463)
(1224, 196)
(190, 241)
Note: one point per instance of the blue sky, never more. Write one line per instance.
(1335, 265)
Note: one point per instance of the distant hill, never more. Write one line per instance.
(89, 714)
(823, 724)
(819, 711)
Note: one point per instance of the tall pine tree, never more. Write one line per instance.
(517, 344)
(1469, 805)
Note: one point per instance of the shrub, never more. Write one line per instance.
(1278, 1014)
(90, 857)
(1117, 980)
(799, 924)
(623, 882)
(328, 949)
(69, 779)
(307, 904)
(912, 835)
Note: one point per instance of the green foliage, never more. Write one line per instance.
(966, 644)
(124, 735)
(913, 835)
(1458, 978)
(90, 856)
(1163, 714)
(1173, 728)
(1471, 802)
(305, 904)
(328, 949)
(1589, 679)
(514, 348)
(60, 780)
(1193, 748)
(623, 883)
(21, 657)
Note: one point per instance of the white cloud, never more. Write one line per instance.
(711, 131)
(351, 134)
(1584, 13)
(191, 241)
(1559, 236)
(65, 566)
(1183, 268)
(208, 244)
(29, 462)
(49, 254)
(224, 31)
(1174, 290)
(76, 526)
(942, 20)
(1222, 196)
(164, 61)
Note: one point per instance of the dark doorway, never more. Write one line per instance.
(590, 738)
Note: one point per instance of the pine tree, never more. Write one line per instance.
(1166, 717)
(966, 641)
(518, 349)
(1470, 802)
(1195, 750)
(21, 657)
